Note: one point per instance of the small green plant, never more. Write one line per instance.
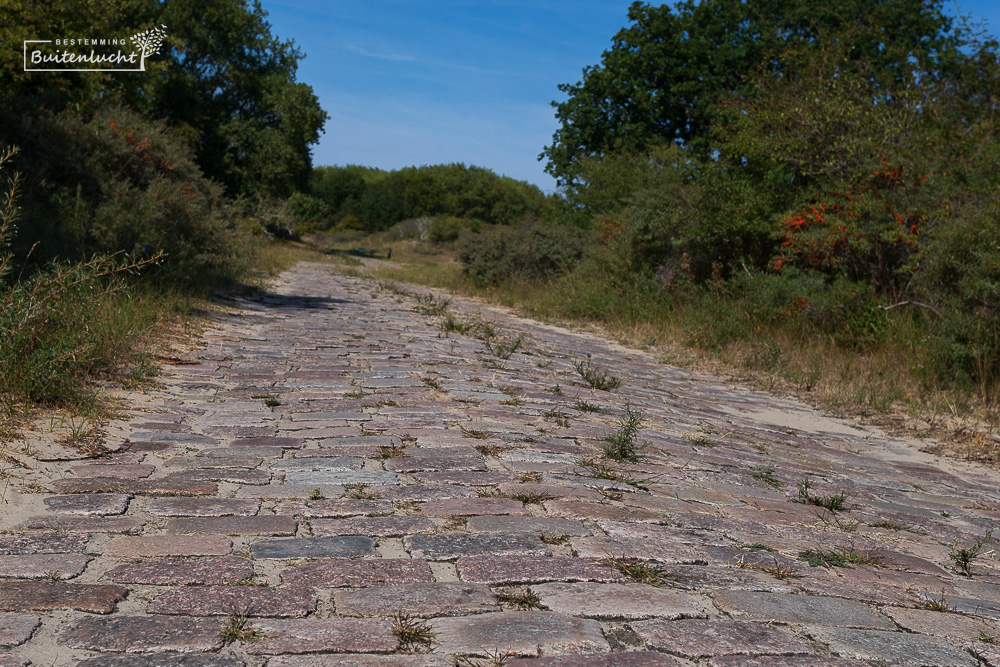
(490, 450)
(475, 434)
(639, 571)
(987, 639)
(584, 406)
(890, 525)
(621, 445)
(494, 658)
(316, 494)
(766, 475)
(428, 304)
(523, 600)
(601, 471)
(941, 604)
(757, 546)
(840, 558)
(597, 380)
(432, 383)
(238, 629)
(963, 556)
(359, 492)
(452, 324)
(414, 635)
(393, 452)
(358, 393)
(501, 347)
(272, 402)
(531, 497)
(555, 389)
(833, 502)
(530, 477)
(557, 417)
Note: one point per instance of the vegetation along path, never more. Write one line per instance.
(351, 473)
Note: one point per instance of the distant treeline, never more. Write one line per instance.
(372, 199)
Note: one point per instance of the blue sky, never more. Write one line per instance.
(410, 82)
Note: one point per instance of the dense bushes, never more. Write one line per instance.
(527, 251)
(113, 183)
(379, 199)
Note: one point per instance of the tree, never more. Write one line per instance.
(666, 73)
(232, 84)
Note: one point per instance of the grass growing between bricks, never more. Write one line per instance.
(414, 635)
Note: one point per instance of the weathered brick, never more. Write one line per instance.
(162, 660)
(334, 508)
(222, 600)
(203, 507)
(493, 570)
(382, 526)
(474, 506)
(350, 546)
(359, 573)
(324, 635)
(83, 524)
(205, 571)
(43, 566)
(49, 543)
(47, 596)
(138, 471)
(234, 525)
(630, 659)
(423, 600)
(448, 547)
(102, 504)
(619, 601)
(15, 629)
(696, 638)
(143, 634)
(169, 545)
(521, 633)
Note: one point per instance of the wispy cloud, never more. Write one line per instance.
(379, 54)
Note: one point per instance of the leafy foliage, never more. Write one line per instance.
(528, 251)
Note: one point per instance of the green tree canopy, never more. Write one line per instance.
(666, 74)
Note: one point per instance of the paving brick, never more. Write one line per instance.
(424, 600)
(324, 635)
(11, 660)
(290, 491)
(319, 463)
(953, 626)
(619, 601)
(383, 526)
(334, 508)
(232, 475)
(64, 543)
(360, 661)
(268, 442)
(203, 507)
(584, 510)
(102, 504)
(15, 629)
(893, 647)
(449, 547)
(775, 661)
(143, 634)
(234, 525)
(47, 596)
(43, 566)
(83, 524)
(423, 493)
(473, 506)
(169, 545)
(695, 638)
(170, 485)
(637, 547)
(206, 571)
(800, 609)
(331, 477)
(521, 633)
(138, 471)
(173, 438)
(222, 600)
(359, 573)
(162, 660)
(436, 459)
(351, 546)
(471, 478)
(538, 525)
(631, 659)
(494, 570)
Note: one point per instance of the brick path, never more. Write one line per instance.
(414, 485)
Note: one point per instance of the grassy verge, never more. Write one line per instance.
(876, 383)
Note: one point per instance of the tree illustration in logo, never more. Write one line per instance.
(148, 42)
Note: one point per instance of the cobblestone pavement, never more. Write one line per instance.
(336, 480)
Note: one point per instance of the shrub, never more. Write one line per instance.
(528, 251)
(115, 182)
